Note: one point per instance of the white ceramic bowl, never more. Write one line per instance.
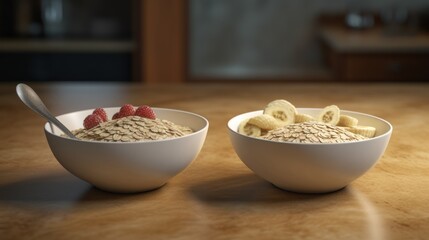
(311, 168)
(128, 167)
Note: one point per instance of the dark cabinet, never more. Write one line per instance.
(66, 40)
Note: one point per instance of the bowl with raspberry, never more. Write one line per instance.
(129, 148)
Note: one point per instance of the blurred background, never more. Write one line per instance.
(173, 41)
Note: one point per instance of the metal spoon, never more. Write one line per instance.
(30, 98)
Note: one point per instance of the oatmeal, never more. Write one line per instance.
(132, 129)
(280, 115)
(312, 132)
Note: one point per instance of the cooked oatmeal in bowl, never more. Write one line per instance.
(124, 165)
(309, 156)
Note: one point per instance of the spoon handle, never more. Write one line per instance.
(33, 101)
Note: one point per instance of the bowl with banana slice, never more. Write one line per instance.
(308, 150)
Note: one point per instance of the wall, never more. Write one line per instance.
(259, 38)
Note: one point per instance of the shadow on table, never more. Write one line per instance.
(59, 189)
(251, 188)
(249, 193)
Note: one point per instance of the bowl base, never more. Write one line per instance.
(124, 191)
(309, 191)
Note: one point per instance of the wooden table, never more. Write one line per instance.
(217, 196)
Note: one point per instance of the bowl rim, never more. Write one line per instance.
(206, 125)
(388, 132)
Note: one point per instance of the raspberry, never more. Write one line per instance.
(100, 112)
(92, 121)
(145, 111)
(126, 110)
(116, 115)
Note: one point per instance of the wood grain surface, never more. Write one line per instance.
(217, 196)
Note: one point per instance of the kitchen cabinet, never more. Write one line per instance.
(65, 60)
(154, 51)
(373, 55)
(46, 41)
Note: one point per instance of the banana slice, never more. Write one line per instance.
(282, 110)
(281, 102)
(330, 115)
(366, 131)
(265, 122)
(302, 117)
(249, 129)
(347, 121)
